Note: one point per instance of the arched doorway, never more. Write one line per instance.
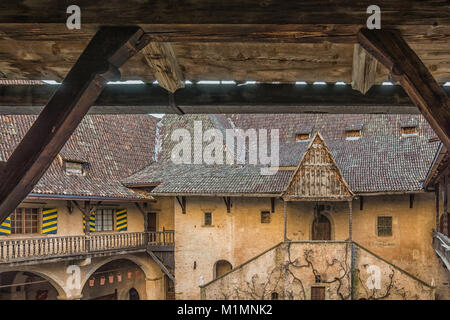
(119, 279)
(321, 228)
(133, 294)
(18, 285)
(221, 267)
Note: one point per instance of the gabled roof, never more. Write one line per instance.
(317, 176)
(381, 161)
(112, 147)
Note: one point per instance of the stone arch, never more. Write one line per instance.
(148, 266)
(56, 283)
(221, 267)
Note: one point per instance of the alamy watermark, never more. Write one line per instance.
(211, 147)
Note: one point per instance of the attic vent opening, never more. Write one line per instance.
(73, 168)
(409, 131)
(352, 134)
(302, 137)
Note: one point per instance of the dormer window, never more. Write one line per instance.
(409, 131)
(352, 134)
(302, 137)
(73, 168)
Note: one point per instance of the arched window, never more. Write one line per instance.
(221, 267)
(321, 228)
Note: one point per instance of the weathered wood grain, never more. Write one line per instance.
(364, 70)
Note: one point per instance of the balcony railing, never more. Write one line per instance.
(441, 244)
(16, 250)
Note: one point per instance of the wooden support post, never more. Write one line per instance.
(272, 205)
(182, 203)
(436, 201)
(392, 51)
(227, 201)
(364, 69)
(109, 49)
(87, 217)
(163, 63)
(445, 203)
(361, 203)
(350, 220)
(411, 200)
(285, 220)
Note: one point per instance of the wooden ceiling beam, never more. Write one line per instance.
(114, 12)
(221, 98)
(110, 48)
(164, 65)
(364, 69)
(393, 52)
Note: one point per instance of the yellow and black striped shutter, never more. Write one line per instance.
(49, 221)
(5, 226)
(121, 220)
(91, 222)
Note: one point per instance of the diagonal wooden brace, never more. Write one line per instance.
(109, 49)
(388, 47)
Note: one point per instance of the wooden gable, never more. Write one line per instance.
(317, 177)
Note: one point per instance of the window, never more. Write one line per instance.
(208, 219)
(221, 267)
(25, 221)
(104, 220)
(352, 134)
(299, 137)
(73, 168)
(409, 131)
(265, 216)
(317, 293)
(384, 226)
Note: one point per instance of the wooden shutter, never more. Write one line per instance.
(49, 221)
(121, 220)
(91, 222)
(5, 226)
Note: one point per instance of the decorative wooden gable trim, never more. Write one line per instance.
(317, 177)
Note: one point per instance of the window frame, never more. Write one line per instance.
(24, 221)
(210, 219)
(383, 227)
(264, 212)
(102, 224)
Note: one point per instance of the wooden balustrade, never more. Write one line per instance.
(12, 250)
(441, 244)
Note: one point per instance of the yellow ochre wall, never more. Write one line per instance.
(239, 235)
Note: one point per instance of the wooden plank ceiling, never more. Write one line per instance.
(264, 41)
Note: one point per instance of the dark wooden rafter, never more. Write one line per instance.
(182, 202)
(221, 98)
(110, 48)
(141, 209)
(411, 200)
(390, 49)
(227, 201)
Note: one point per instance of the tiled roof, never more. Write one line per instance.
(381, 161)
(113, 146)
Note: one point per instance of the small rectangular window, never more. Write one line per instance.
(299, 137)
(73, 168)
(25, 221)
(384, 226)
(208, 219)
(317, 293)
(352, 134)
(409, 131)
(265, 216)
(104, 220)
